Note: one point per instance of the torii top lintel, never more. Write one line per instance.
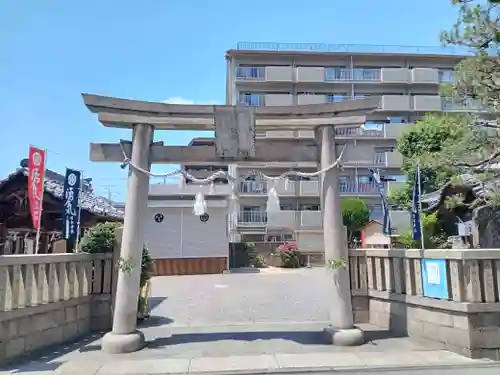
(124, 113)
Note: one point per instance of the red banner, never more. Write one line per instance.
(36, 172)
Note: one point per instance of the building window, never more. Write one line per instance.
(366, 74)
(396, 120)
(252, 99)
(334, 98)
(337, 74)
(251, 72)
(309, 207)
(397, 178)
(445, 75)
(364, 179)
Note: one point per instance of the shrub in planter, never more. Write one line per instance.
(290, 256)
(245, 255)
(101, 238)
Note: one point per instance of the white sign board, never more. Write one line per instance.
(433, 274)
(465, 228)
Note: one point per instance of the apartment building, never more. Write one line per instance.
(269, 74)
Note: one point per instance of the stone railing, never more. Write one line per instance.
(460, 308)
(52, 298)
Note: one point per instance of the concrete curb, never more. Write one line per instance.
(329, 370)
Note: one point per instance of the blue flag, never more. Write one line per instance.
(415, 208)
(71, 208)
(387, 227)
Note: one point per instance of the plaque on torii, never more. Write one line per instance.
(235, 128)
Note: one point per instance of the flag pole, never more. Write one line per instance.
(419, 182)
(37, 238)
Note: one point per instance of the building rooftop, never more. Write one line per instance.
(319, 48)
(54, 185)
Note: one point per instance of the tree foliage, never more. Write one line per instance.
(425, 138)
(448, 145)
(355, 215)
(434, 238)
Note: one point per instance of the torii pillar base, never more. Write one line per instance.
(123, 343)
(344, 337)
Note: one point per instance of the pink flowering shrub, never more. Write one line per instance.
(290, 255)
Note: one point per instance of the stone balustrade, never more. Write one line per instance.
(388, 291)
(52, 298)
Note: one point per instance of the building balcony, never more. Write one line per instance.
(247, 73)
(264, 74)
(303, 99)
(252, 218)
(395, 75)
(283, 188)
(393, 159)
(466, 105)
(253, 187)
(397, 103)
(311, 220)
(425, 76)
(347, 187)
(259, 100)
(354, 75)
(252, 99)
(282, 220)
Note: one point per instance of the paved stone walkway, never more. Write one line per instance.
(245, 323)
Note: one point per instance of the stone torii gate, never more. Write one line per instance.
(235, 128)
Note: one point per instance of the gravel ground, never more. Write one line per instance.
(274, 295)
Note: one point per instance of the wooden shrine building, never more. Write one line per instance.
(17, 235)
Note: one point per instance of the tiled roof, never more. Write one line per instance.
(54, 185)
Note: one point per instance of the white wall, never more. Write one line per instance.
(183, 235)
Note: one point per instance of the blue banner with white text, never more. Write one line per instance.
(415, 208)
(387, 226)
(71, 209)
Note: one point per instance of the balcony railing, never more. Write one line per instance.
(380, 158)
(253, 187)
(357, 131)
(357, 74)
(252, 100)
(351, 187)
(252, 217)
(451, 105)
(251, 73)
(366, 74)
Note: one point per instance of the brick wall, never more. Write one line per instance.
(472, 334)
(26, 330)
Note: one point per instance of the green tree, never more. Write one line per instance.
(355, 215)
(472, 142)
(423, 139)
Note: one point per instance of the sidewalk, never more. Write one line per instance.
(258, 364)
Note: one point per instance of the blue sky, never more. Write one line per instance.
(52, 51)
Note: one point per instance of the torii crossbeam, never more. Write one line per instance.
(235, 128)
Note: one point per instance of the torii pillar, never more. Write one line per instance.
(124, 337)
(235, 129)
(341, 331)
